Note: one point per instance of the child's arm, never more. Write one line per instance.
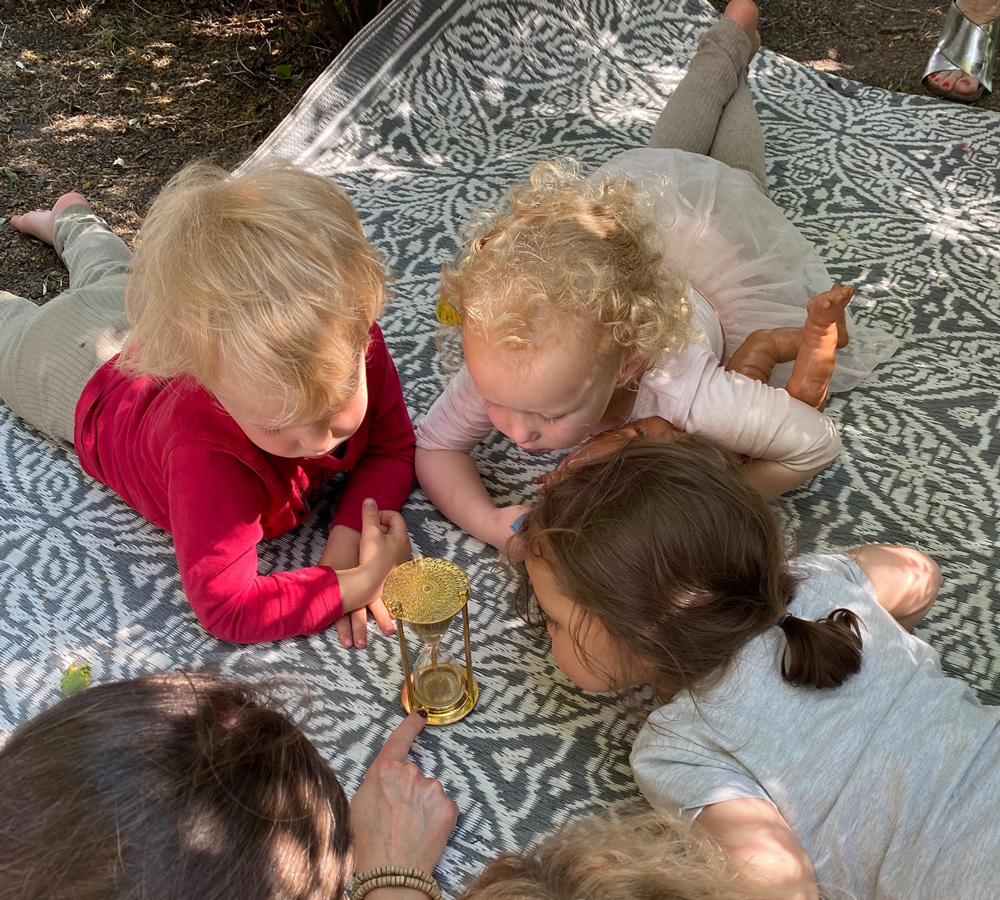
(452, 483)
(786, 441)
(906, 582)
(342, 552)
(773, 479)
(215, 506)
(447, 473)
(762, 848)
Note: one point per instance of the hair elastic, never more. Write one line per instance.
(781, 622)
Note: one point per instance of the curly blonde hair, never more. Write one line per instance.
(264, 278)
(568, 251)
(637, 857)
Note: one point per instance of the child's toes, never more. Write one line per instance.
(38, 223)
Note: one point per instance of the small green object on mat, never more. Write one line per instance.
(75, 679)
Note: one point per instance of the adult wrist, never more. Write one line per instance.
(395, 878)
(395, 893)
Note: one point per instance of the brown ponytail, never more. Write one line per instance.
(821, 654)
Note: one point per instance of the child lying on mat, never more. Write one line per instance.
(249, 371)
(580, 298)
(801, 725)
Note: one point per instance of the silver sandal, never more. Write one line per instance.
(965, 46)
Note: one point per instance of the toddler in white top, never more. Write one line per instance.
(587, 303)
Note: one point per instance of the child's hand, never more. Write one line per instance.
(501, 530)
(653, 428)
(385, 542)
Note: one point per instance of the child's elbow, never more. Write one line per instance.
(833, 446)
(823, 452)
(226, 622)
(230, 631)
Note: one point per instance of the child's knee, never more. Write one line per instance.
(922, 576)
(906, 581)
(929, 573)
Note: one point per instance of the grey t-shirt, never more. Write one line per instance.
(891, 782)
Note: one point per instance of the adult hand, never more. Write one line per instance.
(400, 816)
(652, 428)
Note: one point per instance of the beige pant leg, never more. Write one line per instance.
(711, 111)
(48, 353)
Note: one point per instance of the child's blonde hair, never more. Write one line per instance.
(563, 247)
(636, 858)
(264, 279)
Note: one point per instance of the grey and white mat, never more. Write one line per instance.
(430, 112)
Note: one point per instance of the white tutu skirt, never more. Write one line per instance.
(737, 249)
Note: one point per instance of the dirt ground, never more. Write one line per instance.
(886, 44)
(110, 97)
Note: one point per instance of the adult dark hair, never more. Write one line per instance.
(169, 787)
(683, 562)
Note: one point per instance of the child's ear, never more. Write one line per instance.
(631, 369)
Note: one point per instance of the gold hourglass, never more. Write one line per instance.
(426, 594)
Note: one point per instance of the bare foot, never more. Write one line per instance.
(817, 356)
(954, 83)
(745, 14)
(40, 223)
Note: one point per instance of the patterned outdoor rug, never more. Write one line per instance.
(432, 111)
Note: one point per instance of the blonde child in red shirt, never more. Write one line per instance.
(220, 376)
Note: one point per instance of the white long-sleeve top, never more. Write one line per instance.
(694, 393)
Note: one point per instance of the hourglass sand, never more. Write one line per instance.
(426, 594)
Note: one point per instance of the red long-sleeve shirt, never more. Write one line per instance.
(177, 458)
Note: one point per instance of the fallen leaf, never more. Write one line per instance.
(10, 173)
(75, 679)
(134, 121)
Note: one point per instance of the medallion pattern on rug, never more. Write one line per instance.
(428, 116)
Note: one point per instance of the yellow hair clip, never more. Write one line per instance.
(446, 313)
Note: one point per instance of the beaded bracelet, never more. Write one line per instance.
(395, 876)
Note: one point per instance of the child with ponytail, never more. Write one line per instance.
(801, 725)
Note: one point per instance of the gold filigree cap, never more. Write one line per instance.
(423, 591)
